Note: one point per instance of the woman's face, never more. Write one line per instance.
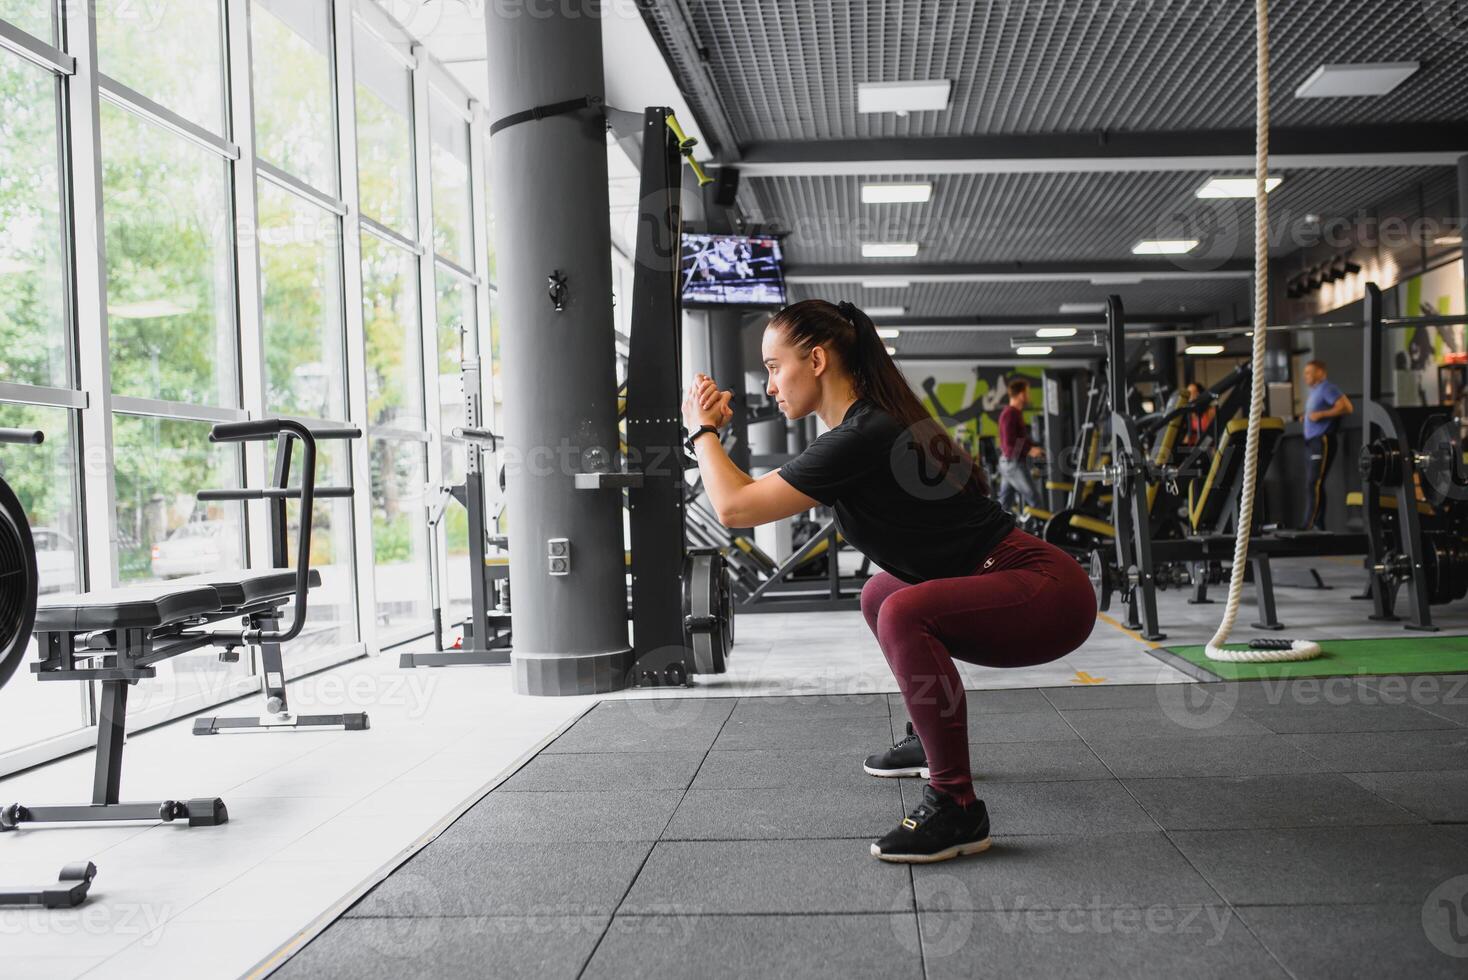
(794, 377)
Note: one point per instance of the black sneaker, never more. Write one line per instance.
(937, 830)
(906, 758)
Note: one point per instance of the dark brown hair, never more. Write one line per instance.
(1018, 386)
(848, 335)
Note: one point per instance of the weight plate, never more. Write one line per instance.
(1055, 529)
(726, 607)
(703, 593)
(19, 583)
(1101, 581)
(1443, 465)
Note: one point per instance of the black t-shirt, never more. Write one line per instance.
(913, 525)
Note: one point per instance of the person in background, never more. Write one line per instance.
(1016, 449)
(1325, 406)
(1198, 422)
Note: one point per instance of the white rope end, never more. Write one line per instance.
(1299, 650)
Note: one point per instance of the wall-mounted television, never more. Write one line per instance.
(732, 270)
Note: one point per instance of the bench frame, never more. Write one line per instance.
(119, 658)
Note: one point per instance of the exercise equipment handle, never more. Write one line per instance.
(22, 437)
(259, 430)
(273, 493)
(478, 436)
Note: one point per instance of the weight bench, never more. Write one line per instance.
(117, 637)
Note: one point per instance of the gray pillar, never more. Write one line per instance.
(550, 191)
(726, 365)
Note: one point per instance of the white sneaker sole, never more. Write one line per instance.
(893, 773)
(958, 850)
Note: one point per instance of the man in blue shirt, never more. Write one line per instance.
(1325, 406)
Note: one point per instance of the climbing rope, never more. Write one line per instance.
(1298, 649)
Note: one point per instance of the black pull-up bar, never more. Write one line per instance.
(22, 437)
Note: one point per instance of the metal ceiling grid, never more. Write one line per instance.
(1056, 217)
(914, 345)
(788, 69)
(989, 299)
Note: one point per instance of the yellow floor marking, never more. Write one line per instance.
(1084, 678)
(1132, 633)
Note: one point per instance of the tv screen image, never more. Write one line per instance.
(732, 270)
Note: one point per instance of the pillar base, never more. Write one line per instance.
(566, 675)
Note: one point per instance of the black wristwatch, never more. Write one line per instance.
(701, 430)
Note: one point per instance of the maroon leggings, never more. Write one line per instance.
(1028, 603)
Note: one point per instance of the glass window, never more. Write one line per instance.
(163, 530)
(400, 538)
(43, 479)
(384, 136)
(456, 338)
(170, 302)
(456, 329)
(168, 50)
(295, 123)
(36, 17)
(300, 274)
(453, 214)
(394, 340)
(331, 615)
(33, 265)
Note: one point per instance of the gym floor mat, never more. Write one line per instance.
(729, 838)
(1417, 654)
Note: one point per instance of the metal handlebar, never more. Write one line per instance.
(274, 493)
(261, 430)
(476, 436)
(22, 437)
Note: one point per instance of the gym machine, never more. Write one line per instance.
(19, 586)
(277, 716)
(1413, 488)
(681, 598)
(1145, 561)
(486, 633)
(116, 637)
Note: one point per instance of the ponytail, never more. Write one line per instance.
(849, 334)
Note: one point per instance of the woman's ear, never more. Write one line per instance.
(818, 360)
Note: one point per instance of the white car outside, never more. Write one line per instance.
(196, 548)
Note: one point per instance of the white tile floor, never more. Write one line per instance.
(315, 815)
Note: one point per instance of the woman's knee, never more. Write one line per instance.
(874, 594)
(904, 613)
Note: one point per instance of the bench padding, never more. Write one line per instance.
(154, 604)
(135, 606)
(240, 588)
